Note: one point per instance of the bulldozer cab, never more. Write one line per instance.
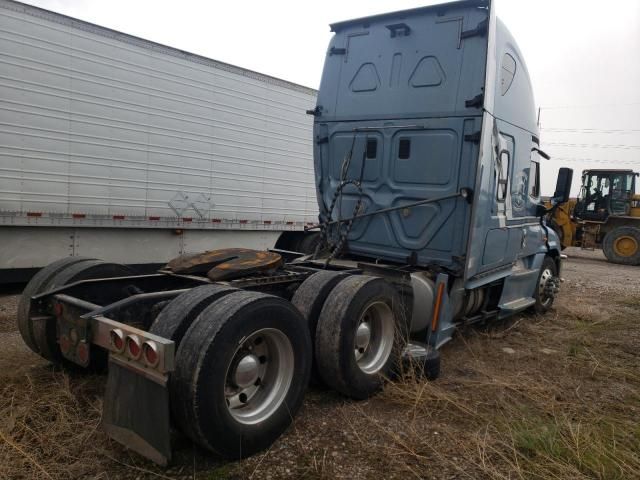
(605, 193)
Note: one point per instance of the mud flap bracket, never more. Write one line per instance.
(136, 412)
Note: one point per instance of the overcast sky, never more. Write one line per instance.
(582, 56)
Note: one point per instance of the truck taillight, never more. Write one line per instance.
(65, 344)
(134, 348)
(82, 352)
(150, 352)
(117, 339)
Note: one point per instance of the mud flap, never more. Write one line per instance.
(136, 412)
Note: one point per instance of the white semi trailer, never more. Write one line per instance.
(115, 147)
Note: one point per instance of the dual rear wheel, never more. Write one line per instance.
(41, 336)
(356, 323)
(244, 358)
(242, 368)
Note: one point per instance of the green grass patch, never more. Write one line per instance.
(575, 349)
(224, 472)
(631, 302)
(566, 447)
(543, 440)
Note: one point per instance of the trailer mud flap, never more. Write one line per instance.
(136, 413)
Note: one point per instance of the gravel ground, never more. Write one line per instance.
(510, 399)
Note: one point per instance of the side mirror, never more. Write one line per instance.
(563, 186)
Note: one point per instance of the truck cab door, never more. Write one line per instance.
(497, 251)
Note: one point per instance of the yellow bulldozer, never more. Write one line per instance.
(606, 215)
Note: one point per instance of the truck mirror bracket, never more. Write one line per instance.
(475, 102)
(316, 112)
(544, 155)
(481, 29)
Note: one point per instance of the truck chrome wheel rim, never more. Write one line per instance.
(625, 246)
(259, 376)
(545, 279)
(374, 337)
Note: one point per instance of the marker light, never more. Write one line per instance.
(134, 348)
(117, 339)
(150, 351)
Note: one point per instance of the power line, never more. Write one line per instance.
(610, 105)
(597, 160)
(590, 130)
(591, 145)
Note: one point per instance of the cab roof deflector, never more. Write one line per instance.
(403, 13)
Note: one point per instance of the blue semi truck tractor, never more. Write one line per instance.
(427, 172)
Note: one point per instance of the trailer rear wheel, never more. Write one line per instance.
(174, 319)
(309, 299)
(241, 373)
(45, 332)
(359, 338)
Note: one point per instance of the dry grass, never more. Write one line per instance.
(563, 405)
(42, 428)
(562, 414)
(50, 429)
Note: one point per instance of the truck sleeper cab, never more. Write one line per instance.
(427, 175)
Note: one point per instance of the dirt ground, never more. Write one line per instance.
(553, 396)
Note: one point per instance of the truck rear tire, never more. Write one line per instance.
(175, 319)
(38, 284)
(242, 369)
(622, 245)
(309, 299)
(359, 338)
(45, 332)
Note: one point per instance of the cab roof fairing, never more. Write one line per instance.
(517, 106)
(366, 21)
